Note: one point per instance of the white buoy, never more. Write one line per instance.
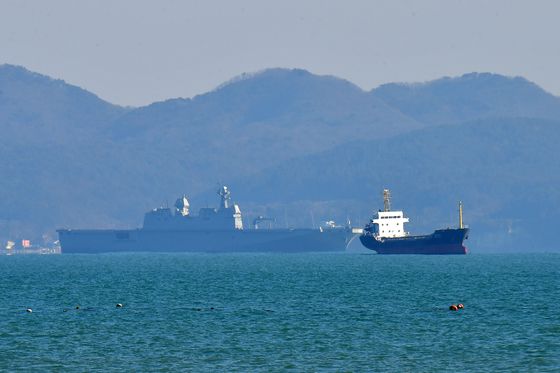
(119, 305)
(29, 310)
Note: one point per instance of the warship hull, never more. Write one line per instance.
(441, 242)
(211, 241)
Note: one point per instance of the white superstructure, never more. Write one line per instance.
(389, 223)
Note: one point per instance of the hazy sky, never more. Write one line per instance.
(136, 52)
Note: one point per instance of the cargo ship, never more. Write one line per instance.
(385, 233)
(212, 230)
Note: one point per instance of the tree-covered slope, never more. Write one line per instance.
(470, 97)
(505, 170)
(291, 144)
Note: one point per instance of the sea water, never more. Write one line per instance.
(274, 312)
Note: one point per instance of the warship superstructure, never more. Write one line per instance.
(212, 230)
(386, 234)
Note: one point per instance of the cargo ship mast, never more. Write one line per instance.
(461, 214)
(386, 200)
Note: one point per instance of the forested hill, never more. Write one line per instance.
(504, 170)
(289, 142)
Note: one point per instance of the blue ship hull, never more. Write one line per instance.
(441, 242)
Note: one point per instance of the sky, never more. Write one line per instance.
(134, 52)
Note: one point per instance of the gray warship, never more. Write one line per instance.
(212, 230)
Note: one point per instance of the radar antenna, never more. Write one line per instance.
(182, 205)
(226, 197)
(386, 200)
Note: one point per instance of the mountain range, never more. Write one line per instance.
(297, 146)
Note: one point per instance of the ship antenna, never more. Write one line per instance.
(461, 214)
(226, 197)
(387, 199)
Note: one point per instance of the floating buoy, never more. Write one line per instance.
(460, 306)
(78, 307)
(29, 310)
(119, 305)
(453, 308)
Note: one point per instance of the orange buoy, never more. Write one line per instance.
(453, 308)
(460, 306)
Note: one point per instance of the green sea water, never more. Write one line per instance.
(272, 312)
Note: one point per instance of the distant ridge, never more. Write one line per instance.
(36, 107)
(285, 139)
(278, 71)
(469, 97)
(18, 75)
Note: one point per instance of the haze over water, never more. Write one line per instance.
(310, 312)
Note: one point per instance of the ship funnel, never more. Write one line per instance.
(386, 200)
